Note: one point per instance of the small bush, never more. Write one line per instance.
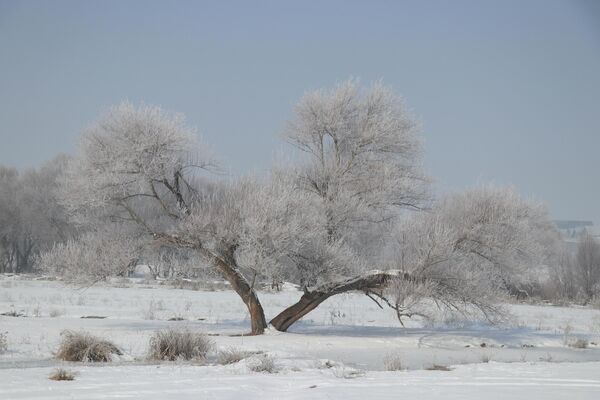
(3, 342)
(174, 344)
(342, 371)
(61, 374)
(264, 363)
(82, 346)
(438, 367)
(55, 313)
(579, 344)
(232, 356)
(13, 313)
(392, 362)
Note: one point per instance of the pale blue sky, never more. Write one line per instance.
(507, 91)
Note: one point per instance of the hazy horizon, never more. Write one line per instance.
(506, 92)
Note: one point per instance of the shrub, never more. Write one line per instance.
(264, 363)
(82, 346)
(3, 342)
(55, 313)
(438, 367)
(392, 362)
(13, 313)
(61, 374)
(232, 356)
(579, 344)
(174, 344)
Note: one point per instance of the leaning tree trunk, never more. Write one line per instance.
(231, 273)
(241, 286)
(310, 300)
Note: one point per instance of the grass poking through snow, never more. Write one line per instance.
(178, 344)
(61, 374)
(82, 346)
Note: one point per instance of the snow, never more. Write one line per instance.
(341, 348)
(489, 381)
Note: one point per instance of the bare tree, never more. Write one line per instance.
(31, 218)
(461, 255)
(138, 165)
(587, 262)
(101, 252)
(361, 167)
(9, 212)
(468, 250)
(324, 223)
(362, 171)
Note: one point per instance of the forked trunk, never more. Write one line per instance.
(310, 300)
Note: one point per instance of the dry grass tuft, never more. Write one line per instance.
(61, 374)
(579, 344)
(393, 362)
(438, 367)
(13, 313)
(82, 346)
(178, 344)
(3, 342)
(232, 355)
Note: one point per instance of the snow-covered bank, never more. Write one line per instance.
(529, 357)
(477, 381)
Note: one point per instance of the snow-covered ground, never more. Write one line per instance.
(338, 351)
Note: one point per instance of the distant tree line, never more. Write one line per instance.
(31, 217)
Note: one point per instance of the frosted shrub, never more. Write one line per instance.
(393, 362)
(82, 346)
(579, 344)
(176, 344)
(3, 342)
(55, 313)
(264, 363)
(232, 355)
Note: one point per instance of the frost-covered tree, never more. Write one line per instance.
(101, 252)
(466, 251)
(360, 166)
(139, 166)
(461, 255)
(324, 223)
(31, 218)
(587, 263)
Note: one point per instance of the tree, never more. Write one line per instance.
(324, 223)
(587, 262)
(99, 253)
(31, 219)
(138, 165)
(362, 171)
(461, 254)
(361, 167)
(9, 211)
(468, 250)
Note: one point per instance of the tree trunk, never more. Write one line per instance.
(241, 286)
(229, 271)
(310, 300)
